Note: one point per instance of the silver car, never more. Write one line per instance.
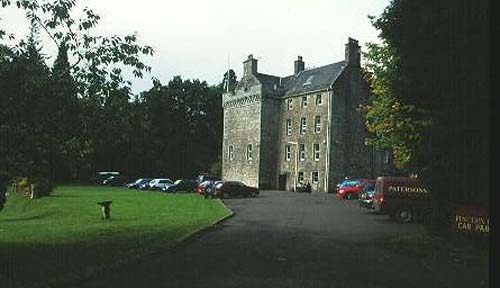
(159, 183)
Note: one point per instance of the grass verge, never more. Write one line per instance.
(61, 238)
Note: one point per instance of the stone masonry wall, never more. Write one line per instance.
(242, 126)
(268, 177)
(309, 164)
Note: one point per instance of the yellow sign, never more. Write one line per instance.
(472, 223)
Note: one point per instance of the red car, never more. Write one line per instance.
(200, 188)
(352, 191)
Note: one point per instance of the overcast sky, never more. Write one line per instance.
(193, 38)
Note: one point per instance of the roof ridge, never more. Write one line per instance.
(315, 68)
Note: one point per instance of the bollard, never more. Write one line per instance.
(105, 209)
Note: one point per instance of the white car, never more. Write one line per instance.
(159, 183)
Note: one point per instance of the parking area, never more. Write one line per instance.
(285, 239)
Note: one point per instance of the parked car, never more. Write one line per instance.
(303, 187)
(186, 185)
(200, 188)
(352, 189)
(366, 196)
(159, 183)
(103, 175)
(210, 187)
(235, 188)
(402, 198)
(345, 183)
(138, 183)
(206, 177)
(115, 181)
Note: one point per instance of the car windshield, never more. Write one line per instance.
(369, 187)
(177, 182)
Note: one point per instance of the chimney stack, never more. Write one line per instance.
(353, 53)
(298, 65)
(250, 66)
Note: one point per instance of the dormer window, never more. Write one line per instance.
(308, 81)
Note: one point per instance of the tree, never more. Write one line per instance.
(229, 81)
(94, 58)
(442, 68)
(53, 118)
(393, 122)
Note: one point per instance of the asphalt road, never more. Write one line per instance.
(285, 239)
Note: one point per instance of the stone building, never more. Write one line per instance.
(279, 131)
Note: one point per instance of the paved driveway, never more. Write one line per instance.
(284, 239)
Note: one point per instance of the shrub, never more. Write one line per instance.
(42, 186)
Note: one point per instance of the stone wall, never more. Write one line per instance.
(270, 115)
(309, 164)
(242, 126)
(349, 156)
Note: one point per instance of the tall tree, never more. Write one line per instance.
(443, 53)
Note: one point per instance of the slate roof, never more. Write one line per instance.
(313, 79)
(270, 83)
(305, 81)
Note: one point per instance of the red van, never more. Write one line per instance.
(401, 197)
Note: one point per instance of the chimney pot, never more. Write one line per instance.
(299, 65)
(352, 52)
(250, 66)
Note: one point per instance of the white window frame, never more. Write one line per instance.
(288, 127)
(249, 152)
(316, 152)
(317, 124)
(319, 99)
(300, 175)
(230, 152)
(302, 152)
(313, 174)
(303, 126)
(290, 104)
(288, 153)
(304, 101)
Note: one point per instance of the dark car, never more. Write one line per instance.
(138, 183)
(115, 181)
(184, 185)
(366, 196)
(235, 188)
(104, 175)
(303, 187)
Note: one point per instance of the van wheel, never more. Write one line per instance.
(404, 215)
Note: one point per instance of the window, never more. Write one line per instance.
(317, 124)
(249, 152)
(288, 153)
(288, 127)
(300, 177)
(319, 101)
(304, 101)
(302, 152)
(230, 152)
(386, 157)
(316, 151)
(303, 125)
(315, 177)
(289, 102)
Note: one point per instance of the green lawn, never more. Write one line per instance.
(61, 238)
